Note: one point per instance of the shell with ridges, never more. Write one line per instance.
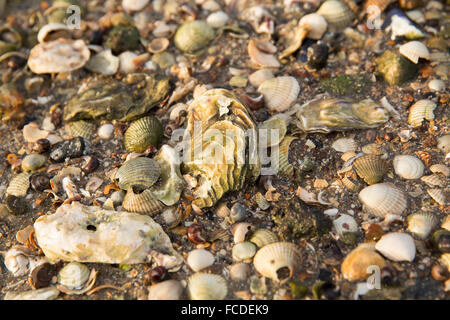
(193, 35)
(356, 263)
(281, 154)
(205, 286)
(344, 145)
(433, 180)
(74, 275)
(421, 223)
(140, 173)
(414, 50)
(397, 246)
(142, 133)
(382, 199)
(19, 185)
(440, 168)
(272, 260)
(438, 195)
(279, 93)
(422, 109)
(408, 167)
(370, 168)
(81, 128)
(274, 126)
(446, 223)
(350, 181)
(337, 13)
(243, 251)
(142, 202)
(262, 237)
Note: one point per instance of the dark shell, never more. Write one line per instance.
(317, 56)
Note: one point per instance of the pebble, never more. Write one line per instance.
(106, 131)
(436, 85)
(217, 19)
(33, 162)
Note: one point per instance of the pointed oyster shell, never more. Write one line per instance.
(408, 167)
(89, 234)
(397, 246)
(279, 93)
(272, 260)
(205, 286)
(382, 199)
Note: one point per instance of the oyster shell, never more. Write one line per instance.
(89, 234)
(217, 151)
(340, 114)
(124, 100)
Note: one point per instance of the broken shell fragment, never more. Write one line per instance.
(440, 168)
(259, 76)
(73, 275)
(261, 58)
(103, 62)
(421, 110)
(193, 35)
(277, 261)
(438, 195)
(272, 130)
(53, 31)
(61, 55)
(262, 237)
(49, 293)
(140, 173)
(421, 223)
(414, 50)
(280, 157)
(408, 167)
(205, 286)
(279, 93)
(358, 263)
(397, 246)
(90, 234)
(142, 133)
(382, 199)
(433, 180)
(318, 25)
(444, 144)
(344, 224)
(344, 145)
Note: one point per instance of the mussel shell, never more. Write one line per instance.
(140, 173)
(142, 133)
(193, 35)
(205, 286)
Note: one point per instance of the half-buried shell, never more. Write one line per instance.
(421, 223)
(337, 13)
(205, 286)
(142, 133)
(140, 173)
(142, 202)
(421, 110)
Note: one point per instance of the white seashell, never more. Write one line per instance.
(416, 16)
(382, 199)
(16, 261)
(166, 290)
(106, 131)
(331, 212)
(240, 230)
(134, 5)
(260, 58)
(279, 93)
(408, 167)
(414, 50)
(277, 261)
(344, 145)
(438, 195)
(397, 246)
(345, 223)
(440, 168)
(258, 77)
(317, 23)
(49, 293)
(74, 275)
(51, 27)
(421, 223)
(243, 251)
(337, 13)
(205, 286)
(436, 85)
(103, 62)
(422, 109)
(239, 271)
(444, 143)
(199, 259)
(126, 64)
(217, 19)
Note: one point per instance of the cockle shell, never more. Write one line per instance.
(142, 133)
(103, 62)
(337, 13)
(142, 202)
(193, 35)
(344, 145)
(382, 199)
(73, 275)
(350, 181)
(243, 250)
(414, 50)
(444, 143)
(199, 259)
(217, 151)
(140, 173)
(81, 128)
(60, 29)
(280, 157)
(421, 223)
(278, 261)
(408, 167)
(61, 55)
(272, 130)
(19, 185)
(76, 232)
(397, 246)
(262, 237)
(358, 263)
(317, 23)
(279, 93)
(166, 290)
(433, 180)
(345, 223)
(438, 195)
(421, 110)
(370, 168)
(205, 286)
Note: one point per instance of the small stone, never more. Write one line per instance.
(238, 81)
(33, 162)
(68, 149)
(117, 197)
(436, 85)
(106, 131)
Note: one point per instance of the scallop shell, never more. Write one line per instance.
(140, 173)
(421, 223)
(261, 58)
(158, 45)
(205, 286)
(440, 168)
(243, 251)
(103, 62)
(272, 260)
(276, 127)
(280, 155)
(344, 224)
(356, 265)
(408, 167)
(397, 246)
(143, 202)
(414, 50)
(438, 195)
(166, 290)
(60, 29)
(344, 145)
(370, 168)
(19, 185)
(199, 259)
(433, 180)
(81, 128)
(279, 93)
(444, 143)
(193, 35)
(74, 275)
(422, 109)
(61, 55)
(317, 23)
(142, 133)
(382, 199)
(337, 13)
(263, 237)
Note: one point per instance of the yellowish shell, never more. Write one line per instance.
(357, 264)
(344, 145)
(350, 181)
(272, 130)
(279, 93)
(278, 261)
(192, 36)
(281, 155)
(440, 168)
(261, 201)
(382, 199)
(140, 173)
(445, 260)
(243, 251)
(142, 202)
(337, 13)
(446, 223)
(433, 180)
(422, 109)
(262, 237)
(81, 128)
(370, 168)
(438, 195)
(142, 133)
(443, 143)
(205, 286)
(421, 223)
(408, 167)
(19, 185)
